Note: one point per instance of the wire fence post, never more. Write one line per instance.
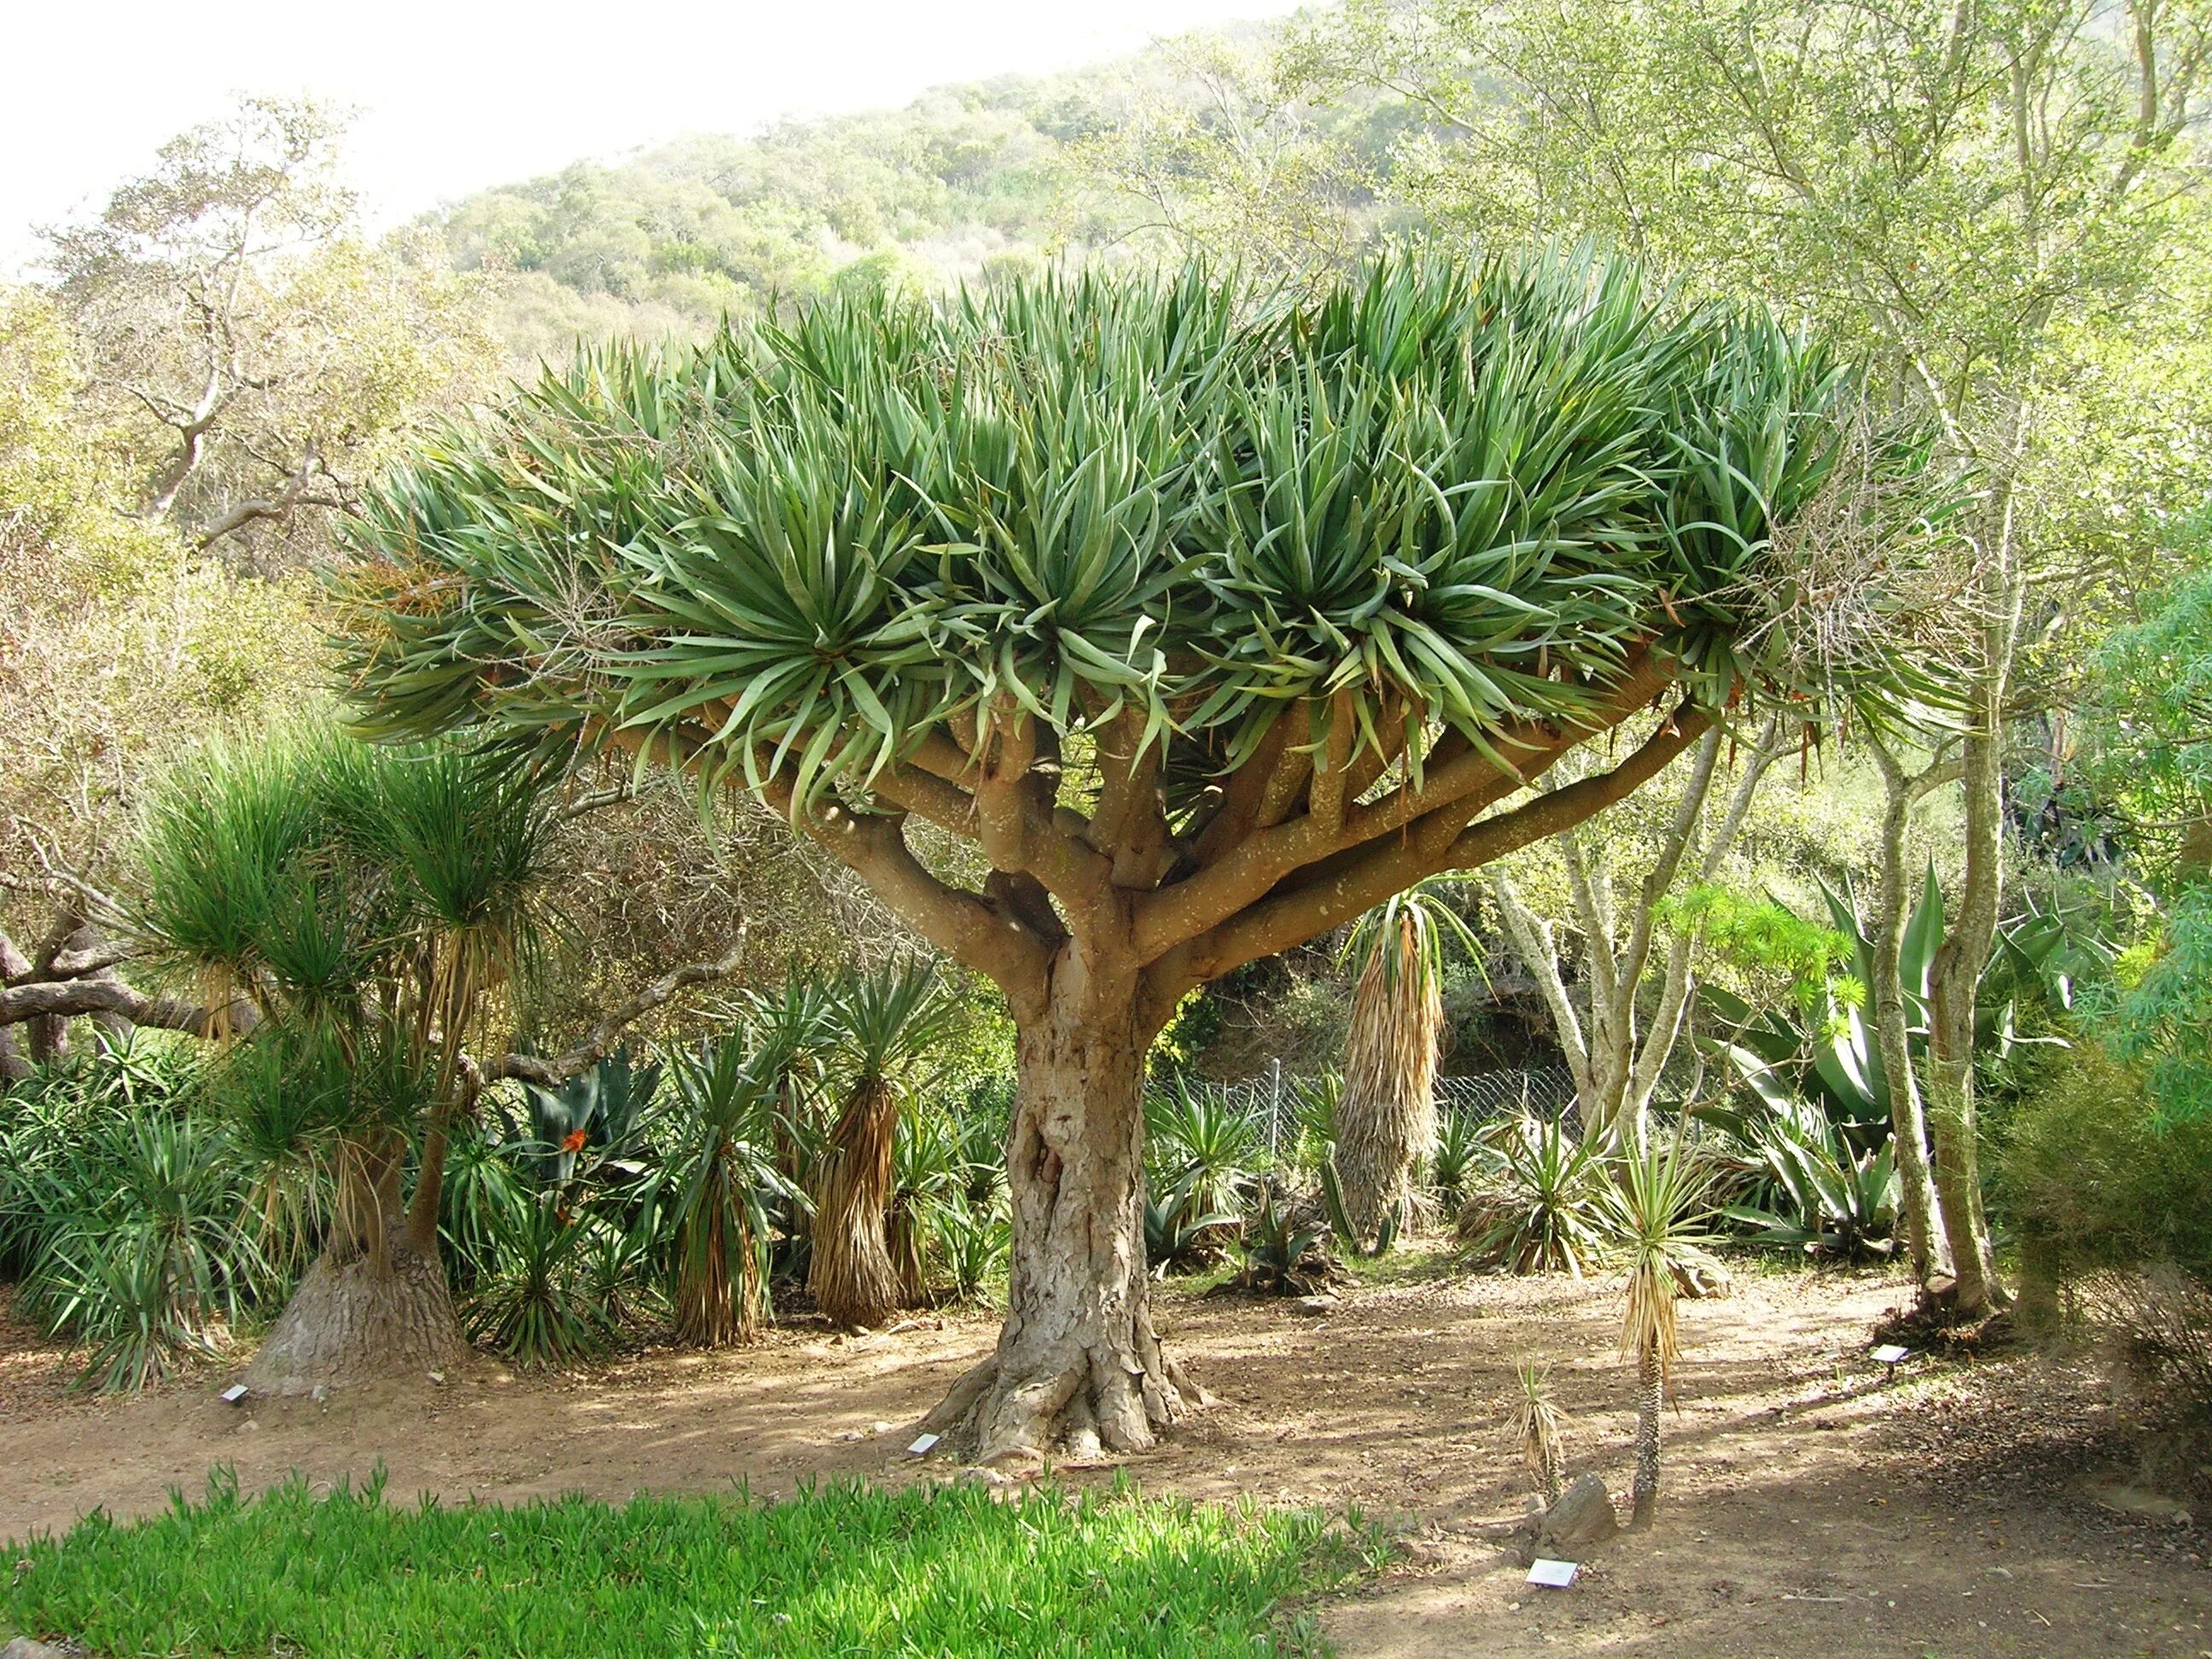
(1275, 1111)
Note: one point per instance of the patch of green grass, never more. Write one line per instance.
(838, 1570)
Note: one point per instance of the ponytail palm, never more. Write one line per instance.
(1207, 618)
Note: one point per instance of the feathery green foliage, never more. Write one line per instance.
(1473, 489)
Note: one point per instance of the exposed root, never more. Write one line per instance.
(993, 1419)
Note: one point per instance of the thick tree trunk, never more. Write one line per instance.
(1078, 1364)
(849, 1268)
(375, 1303)
(1650, 1389)
(351, 1321)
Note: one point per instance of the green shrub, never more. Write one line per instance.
(2112, 1204)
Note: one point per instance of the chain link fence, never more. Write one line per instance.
(1270, 1102)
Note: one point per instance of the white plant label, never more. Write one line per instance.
(232, 1394)
(1555, 1575)
(925, 1445)
(1890, 1353)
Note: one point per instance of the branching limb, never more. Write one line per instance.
(549, 1073)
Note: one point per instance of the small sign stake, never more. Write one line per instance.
(1888, 1354)
(1555, 1575)
(234, 1395)
(924, 1446)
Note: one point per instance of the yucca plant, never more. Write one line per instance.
(713, 1197)
(885, 1023)
(1386, 1122)
(1315, 1102)
(794, 1035)
(1205, 617)
(1536, 1424)
(1537, 1200)
(144, 1250)
(541, 1304)
(929, 1172)
(1201, 1141)
(971, 1243)
(1452, 1164)
(1662, 1204)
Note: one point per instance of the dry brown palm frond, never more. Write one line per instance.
(1386, 1121)
(850, 1270)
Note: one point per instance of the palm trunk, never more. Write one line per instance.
(1650, 1389)
(1387, 1120)
(1077, 1362)
(849, 1267)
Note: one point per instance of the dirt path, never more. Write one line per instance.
(1812, 1506)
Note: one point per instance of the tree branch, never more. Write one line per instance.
(548, 1074)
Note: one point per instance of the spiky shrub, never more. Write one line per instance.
(542, 1303)
(145, 1251)
(1385, 1123)
(1662, 1204)
(1209, 618)
(1536, 1424)
(1453, 1163)
(1201, 1143)
(792, 1033)
(885, 1023)
(713, 1197)
(1537, 1202)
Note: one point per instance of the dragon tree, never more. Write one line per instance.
(1192, 619)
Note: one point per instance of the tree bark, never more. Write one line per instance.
(352, 1320)
(1077, 1363)
(1920, 1209)
(1387, 1121)
(1650, 1387)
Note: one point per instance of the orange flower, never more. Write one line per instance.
(573, 1141)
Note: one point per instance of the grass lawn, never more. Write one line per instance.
(843, 1570)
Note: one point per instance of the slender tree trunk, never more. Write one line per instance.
(1954, 983)
(1078, 1363)
(1920, 1210)
(849, 1267)
(1649, 1390)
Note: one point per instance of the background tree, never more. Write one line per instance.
(1971, 196)
(1620, 1039)
(259, 355)
(1209, 624)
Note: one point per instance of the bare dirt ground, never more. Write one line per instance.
(1813, 1504)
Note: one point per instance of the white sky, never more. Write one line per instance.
(458, 94)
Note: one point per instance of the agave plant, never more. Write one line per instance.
(1537, 1200)
(1840, 1202)
(597, 1111)
(1278, 1254)
(1179, 1232)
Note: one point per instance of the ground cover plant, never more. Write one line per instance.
(837, 1569)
